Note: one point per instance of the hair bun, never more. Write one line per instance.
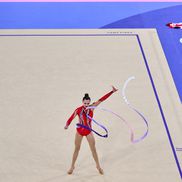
(86, 95)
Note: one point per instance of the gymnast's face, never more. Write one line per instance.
(86, 102)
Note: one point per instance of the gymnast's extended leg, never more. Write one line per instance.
(78, 140)
(91, 141)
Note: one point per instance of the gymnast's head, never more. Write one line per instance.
(86, 100)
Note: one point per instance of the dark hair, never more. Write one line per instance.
(86, 97)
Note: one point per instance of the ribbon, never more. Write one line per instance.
(89, 128)
(178, 149)
(134, 109)
(121, 118)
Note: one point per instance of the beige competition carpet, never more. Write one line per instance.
(44, 75)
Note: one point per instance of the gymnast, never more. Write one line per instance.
(82, 113)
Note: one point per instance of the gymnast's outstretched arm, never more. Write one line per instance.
(104, 97)
(70, 119)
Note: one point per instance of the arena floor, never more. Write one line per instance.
(45, 73)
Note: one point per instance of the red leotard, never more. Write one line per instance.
(83, 119)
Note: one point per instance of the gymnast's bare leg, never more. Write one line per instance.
(78, 140)
(91, 141)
